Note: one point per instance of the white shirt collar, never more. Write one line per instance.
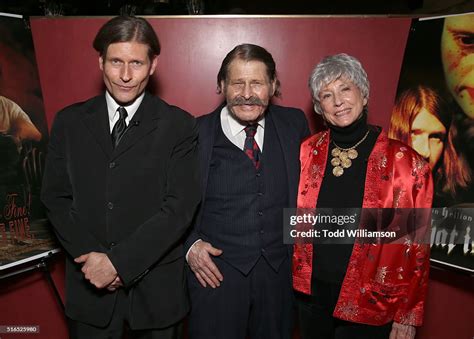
(235, 131)
(112, 107)
(236, 126)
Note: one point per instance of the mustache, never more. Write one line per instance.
(253, 100)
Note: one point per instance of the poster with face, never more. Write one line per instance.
(24, 231)
(434, 114)
(457, 55)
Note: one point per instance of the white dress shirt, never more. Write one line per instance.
(112, 109)
(234, 130)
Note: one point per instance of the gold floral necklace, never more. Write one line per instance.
(342, 157)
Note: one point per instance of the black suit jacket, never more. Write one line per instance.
(134, 203)
(291, 127)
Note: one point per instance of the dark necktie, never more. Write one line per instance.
(250, 146)
(120, 127)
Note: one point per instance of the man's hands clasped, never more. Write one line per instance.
(99, 270)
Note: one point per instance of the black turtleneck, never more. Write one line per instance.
(347, 191)
(348, 136)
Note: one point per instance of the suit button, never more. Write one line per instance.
(258, 175)
(262, 250)
(112, 165)
(112, 244)
(110, 205)
(260, 213)
(260, 194)
(262, 231)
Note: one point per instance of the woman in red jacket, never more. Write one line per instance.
(364, 290)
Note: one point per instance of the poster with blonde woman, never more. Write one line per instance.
(434, 114)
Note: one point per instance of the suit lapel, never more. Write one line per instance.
(207, 136)
(143, 122)
(289, 148)
(96, 119)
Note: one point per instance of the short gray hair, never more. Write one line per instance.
(334, 67)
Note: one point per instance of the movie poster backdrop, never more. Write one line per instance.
(434, 113)
(24, 230)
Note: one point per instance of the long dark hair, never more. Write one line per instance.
(127, 29)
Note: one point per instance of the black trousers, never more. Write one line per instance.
(119, 328)
(316, 320)
(258, 305)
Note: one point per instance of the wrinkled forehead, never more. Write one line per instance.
(248, 69)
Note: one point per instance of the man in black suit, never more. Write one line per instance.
(240, 275)
(121, 188)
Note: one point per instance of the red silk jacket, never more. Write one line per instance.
(383, 282)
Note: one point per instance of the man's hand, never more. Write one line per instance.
(199, 259)
(97, 268)
(400, 331)
(114, 285)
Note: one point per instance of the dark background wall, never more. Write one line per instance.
(180, 7)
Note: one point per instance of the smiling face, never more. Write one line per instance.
(457, 53)
(427, 136)
(341, 102)
(126, 69)
(247, 90)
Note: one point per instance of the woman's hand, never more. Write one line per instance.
(400, 331)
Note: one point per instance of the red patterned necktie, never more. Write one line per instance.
(250, 146)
